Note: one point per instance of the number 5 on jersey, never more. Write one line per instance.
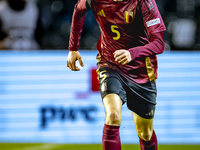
(113, 29)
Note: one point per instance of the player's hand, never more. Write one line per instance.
(122, 56)
(71, 60)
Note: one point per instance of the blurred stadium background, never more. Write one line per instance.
(42, 101)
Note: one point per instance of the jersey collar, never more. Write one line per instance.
(118, 0)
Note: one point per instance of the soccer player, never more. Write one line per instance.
(131, 37)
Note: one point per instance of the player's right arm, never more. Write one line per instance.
(78, 19)
(71, 59)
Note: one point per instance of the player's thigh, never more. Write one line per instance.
(112, 93)
(113, 105)
(141, 99)
(143, 126)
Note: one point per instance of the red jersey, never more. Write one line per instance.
(130, 25)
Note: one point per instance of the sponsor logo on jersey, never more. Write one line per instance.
(153, 22)
(101, 13)
(129, 16)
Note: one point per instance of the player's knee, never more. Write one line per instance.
(145, 135)
(113, 119)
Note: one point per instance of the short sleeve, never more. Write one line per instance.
(151, 17)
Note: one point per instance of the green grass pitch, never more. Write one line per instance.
(27, 146)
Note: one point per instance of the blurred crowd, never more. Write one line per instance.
(45, 24)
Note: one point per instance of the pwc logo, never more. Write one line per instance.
(50, 114)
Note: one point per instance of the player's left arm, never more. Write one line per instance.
(154, 26)
(156, 46)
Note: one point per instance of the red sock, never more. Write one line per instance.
(149, 145)
(111, 138)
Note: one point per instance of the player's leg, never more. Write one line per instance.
(111, 138)
(112, 93)
(112, 104)
(141, 100)
(144, 127)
